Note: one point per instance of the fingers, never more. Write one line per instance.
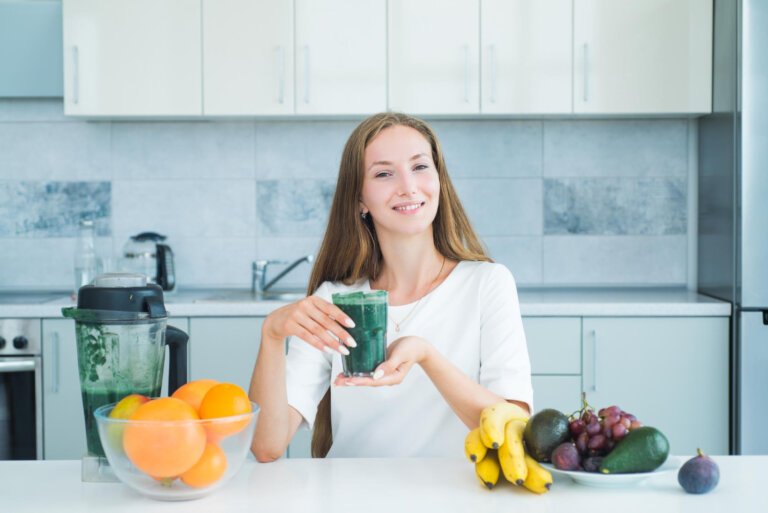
(317, 335)
(315, 321)
(386, 375)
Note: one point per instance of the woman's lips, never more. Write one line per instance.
(408, 208)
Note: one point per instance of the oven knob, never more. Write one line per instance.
(2, 342)
(20, 342)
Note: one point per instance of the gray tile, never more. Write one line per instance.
(615, 206)
(183, 150)
(45, 263)
(213, 261)
(521, 255)
(491, 149)
(502, 206)
(293, 207)
(53, 209)
(618, 260)
(288, 249)
(615, 148)
(300, 149)
(55, 151)
(184, 208)
(32, 109)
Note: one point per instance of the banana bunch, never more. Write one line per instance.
(496, 448)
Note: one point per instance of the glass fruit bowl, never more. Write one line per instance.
(179, 459)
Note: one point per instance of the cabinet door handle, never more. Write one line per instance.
(306, 73)
(594, 360)
(55, 363)
(492, 59)
(466, 73)
(75, 75)
(280, 57)
(585, 66)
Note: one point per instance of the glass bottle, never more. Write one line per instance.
(86, 261)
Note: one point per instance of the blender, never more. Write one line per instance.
(121, 334)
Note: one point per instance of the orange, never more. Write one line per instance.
(224, 400)
(208, 469)
(193, 392)
(127, 406)
(164, 449)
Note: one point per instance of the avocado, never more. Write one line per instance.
(644, 449)
(545, 430)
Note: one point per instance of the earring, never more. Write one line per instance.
(364, 215)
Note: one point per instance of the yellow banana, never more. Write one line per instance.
(488, 470)
(494, 418)
(539, 479)
(512, 453)
(473, 446)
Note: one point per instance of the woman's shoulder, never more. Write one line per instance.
(486, 271)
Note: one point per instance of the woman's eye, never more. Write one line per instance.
(421, 167)
(382, 174)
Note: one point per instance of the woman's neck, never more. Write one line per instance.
(412, 267)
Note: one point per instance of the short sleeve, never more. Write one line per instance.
(307, 373)
(505, 367)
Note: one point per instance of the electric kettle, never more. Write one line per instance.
(146, 254)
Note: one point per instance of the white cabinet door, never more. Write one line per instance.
(434, 56)
(63, 422)
(247, 57)
(671, 372)
(642, 56)
(563, 393)
(224, 348)
(340, 56)
(526, 56)
(128, 58)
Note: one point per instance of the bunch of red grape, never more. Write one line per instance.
(594, 436)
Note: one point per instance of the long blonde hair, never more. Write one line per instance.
(350, 249)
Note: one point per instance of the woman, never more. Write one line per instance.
(456, 341)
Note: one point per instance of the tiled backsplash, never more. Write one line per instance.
(560, 202)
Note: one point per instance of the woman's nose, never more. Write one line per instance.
(406, 184)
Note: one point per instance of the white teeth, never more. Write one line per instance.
(409, 207)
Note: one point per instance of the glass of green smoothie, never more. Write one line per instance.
(369, 312)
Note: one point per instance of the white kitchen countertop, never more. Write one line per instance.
(380, 485)
(615, 302)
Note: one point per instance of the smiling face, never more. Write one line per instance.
(401, 188)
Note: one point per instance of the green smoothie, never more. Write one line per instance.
(94, 397)
(369, 311)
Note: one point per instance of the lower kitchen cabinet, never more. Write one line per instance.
(63, 423)
(671, 372)
(225, 349)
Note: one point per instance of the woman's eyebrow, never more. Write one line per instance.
(388, 163)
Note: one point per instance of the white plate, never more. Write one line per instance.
(599, 480)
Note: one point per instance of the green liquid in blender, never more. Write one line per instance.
(94, 398)
(369, 311)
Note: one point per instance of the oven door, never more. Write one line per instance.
(21, 434)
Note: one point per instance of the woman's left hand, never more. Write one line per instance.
(402, 354)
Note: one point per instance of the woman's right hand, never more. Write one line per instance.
(311, 319)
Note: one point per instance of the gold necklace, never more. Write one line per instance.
(398, 324)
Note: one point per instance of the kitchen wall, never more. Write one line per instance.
(560, 202)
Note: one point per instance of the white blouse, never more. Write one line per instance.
(472, 319)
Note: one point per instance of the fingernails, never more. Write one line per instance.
(351, 342)
(349, 322)
(378, 374)
(343, 350)
(349, 384)
(328, 350)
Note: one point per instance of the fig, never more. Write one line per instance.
(700, 474)
(566, 457)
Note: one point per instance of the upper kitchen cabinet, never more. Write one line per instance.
(642, 56)
(248, 57)
(132, 58)
(434, 56)
(340, 56)
(526, 54)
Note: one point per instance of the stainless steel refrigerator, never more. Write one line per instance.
(733, 208)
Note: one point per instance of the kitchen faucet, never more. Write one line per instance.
(259, 283)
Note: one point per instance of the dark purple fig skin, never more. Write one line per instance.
(592, 464)
(566, 457)
(698, 475)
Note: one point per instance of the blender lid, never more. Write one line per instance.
(118, 296)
